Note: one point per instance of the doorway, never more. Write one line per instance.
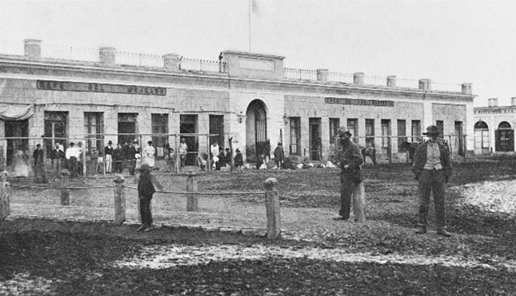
(188, 125)
(256, 126)
(16, 129)
(315, 149)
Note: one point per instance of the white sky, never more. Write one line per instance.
(446, 41)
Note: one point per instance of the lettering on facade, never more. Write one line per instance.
(100, 87)
(360, 102)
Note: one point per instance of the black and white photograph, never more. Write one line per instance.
(257, 147)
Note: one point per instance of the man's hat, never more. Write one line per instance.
(279, 144)
(237, 150)
(144, 167)
(150, 142)
(432, 130)
(72, 143)
(343, 131)
(110, 142)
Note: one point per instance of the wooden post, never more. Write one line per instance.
(178, 156)
(5, 207)
(208, 165)
(359, 203)
(272, 207)
(64, 184)
(191, 198)
(119, 199)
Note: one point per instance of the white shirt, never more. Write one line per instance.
(72, 152)
(182, 148)
(215, 150)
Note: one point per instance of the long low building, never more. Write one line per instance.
(494, 128)
(247, 97)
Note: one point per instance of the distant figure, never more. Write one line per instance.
(94, 161)
(279, 155)
(411, 148)
(171, 159)
(183, 150)
(132, 153)
(80, 160)
(72, 155)
(215, 152)
(149, 154)
(118, 158)
(108, 157)
(202, 160)
(146, 183)
(56, 157)
(39, 165)
(239, 159)
(370, 151)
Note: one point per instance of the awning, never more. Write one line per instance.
(16, 112)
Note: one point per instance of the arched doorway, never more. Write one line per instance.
(256, 130)
(504, 137)
(481, 137)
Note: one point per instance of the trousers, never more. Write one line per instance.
(347, 187)
(430, 182)
(145, 211)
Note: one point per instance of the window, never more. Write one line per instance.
(217, 128)
(352, 125)
(159, 126)
(55, 130)
(369, 125)
(416, 130)
(402, 133)
(127, 127)
(295, 135)
(188, 124)
(94, 128)
(334, 127)
(440, 127)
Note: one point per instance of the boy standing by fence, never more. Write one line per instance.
(146, 183)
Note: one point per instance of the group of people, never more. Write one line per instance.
(431, 167)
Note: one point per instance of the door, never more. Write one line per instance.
(188, 125)
(55, 130)
(17, 130)
(256, 131)
(315, 149)
(459, 139)
(127, 127)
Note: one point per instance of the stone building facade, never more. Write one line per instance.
(247, 99)
(494, 128)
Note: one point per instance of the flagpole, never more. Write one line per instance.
(250, 8)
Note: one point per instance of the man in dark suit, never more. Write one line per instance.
(432, 168)
(351, 172)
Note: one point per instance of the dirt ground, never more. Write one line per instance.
(315, 255)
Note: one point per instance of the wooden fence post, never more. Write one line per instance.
(64, 183)
(191, 197)
(119, 199)
(5, 207)
(359, 203)
(272, 207)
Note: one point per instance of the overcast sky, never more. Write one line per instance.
(446, 41)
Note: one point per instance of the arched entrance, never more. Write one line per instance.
(256, 127)
(504, 137)
(481, 137)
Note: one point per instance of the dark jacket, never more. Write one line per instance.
(118, 154)
(351, 156)
(57, 154)
(420, 160)
(279, 155)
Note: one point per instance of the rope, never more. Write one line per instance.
(204, 193)
(47, 187)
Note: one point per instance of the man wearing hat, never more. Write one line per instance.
(108, 155)
(351, 171)
(72, 155)
(146, 189)
(279, 155)
(432, 168)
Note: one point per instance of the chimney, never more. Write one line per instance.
(322, 75)
(358, 78)
(107, 55)
(171, 62)
(513, 101)
(32, 48)
(391, 81)
(466, 89)
(493, 102)
(425, 84)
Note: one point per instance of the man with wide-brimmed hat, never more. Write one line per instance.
(432, 168)
(351, 174)
(146, 183)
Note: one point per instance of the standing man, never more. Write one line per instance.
(118, 157)
(215, 151)
(432, 167)
(131, 156)
(146, 188)
(39, 165)
(279, 155)
(108, 155)
(351, 171)
(72, 154)
(183, 148)
(80, 160)
(149, 154)
(56, 156)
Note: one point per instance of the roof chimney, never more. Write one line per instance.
(32, 48)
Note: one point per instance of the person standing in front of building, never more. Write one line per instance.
(432, 168)
(183, 150)
(108, 156)
(80, 160)
(56, 156)
(39, 165)
(118, 158)
(72, 155)
(215, 151)
(351, 171)
(147, 183)
(279, 155)
(149, 155)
